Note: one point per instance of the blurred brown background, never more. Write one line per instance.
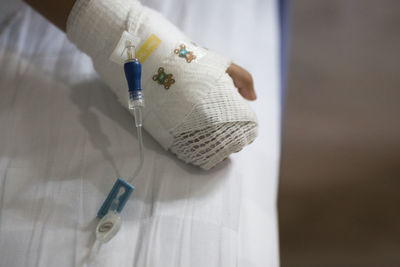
(339, 195)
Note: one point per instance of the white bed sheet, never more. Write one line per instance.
(64, 139)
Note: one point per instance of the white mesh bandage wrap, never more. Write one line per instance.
(200, 117)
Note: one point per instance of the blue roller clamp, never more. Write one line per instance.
(113, 194)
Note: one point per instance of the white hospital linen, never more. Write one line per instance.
(64, 138)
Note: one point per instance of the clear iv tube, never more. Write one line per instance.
(133, 69)
(141, 154)
(133, 72)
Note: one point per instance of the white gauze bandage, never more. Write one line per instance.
(200, 116)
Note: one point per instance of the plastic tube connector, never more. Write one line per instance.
(133, 74)
(108, 226)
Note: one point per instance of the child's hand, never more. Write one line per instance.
(243, 81)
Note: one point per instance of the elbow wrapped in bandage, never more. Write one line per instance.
(192, 107)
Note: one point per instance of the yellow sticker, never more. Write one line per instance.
(148, 47)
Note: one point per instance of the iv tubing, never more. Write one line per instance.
(133, 72)
(141, 154)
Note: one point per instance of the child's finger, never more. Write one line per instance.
(243, 80)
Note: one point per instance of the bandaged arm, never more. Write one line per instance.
(199, 116)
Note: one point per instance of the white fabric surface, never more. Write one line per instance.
(64, 138)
